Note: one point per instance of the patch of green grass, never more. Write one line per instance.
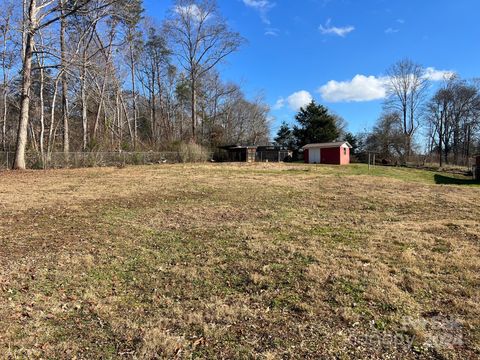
(441, 246)
(399, 173)
(353, 289)
(288, 301)
(339, 235)
(119, 214)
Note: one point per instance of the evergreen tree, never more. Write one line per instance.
(352, 140)
(316, 125)
(285, 137)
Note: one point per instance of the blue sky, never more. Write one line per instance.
(337, 51)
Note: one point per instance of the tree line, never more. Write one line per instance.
(438, 120)
(420, 118)
(99, 75)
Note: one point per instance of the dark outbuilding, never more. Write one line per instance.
(240, 153)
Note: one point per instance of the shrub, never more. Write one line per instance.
(192, 152)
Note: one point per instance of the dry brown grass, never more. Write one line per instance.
(238, 261)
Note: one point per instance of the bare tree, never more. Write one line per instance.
(40, 58)
(31, 24)
(64, 79)
(107, 51)
(407, 90)
(7, 59)
(200, 38)
(93, 78)
(39, 15)
(387, 138)
(453, 116)
(154, 64)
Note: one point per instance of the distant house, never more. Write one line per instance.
(334, 153)
(240, 153)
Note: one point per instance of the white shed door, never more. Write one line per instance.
(314, 155)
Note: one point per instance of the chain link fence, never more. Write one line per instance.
(6, 159)
(273, 156)
(58, 160)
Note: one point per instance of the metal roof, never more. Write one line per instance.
(237, 147)
(328, 145)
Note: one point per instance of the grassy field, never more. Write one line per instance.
(259, 261)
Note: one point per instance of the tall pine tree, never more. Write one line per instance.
(285, 137)
(316, 125)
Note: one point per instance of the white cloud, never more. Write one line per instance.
(394, 30)
(328, 29)
(295, 101)
(299, 99)
(438, 75)
(368, 88)
(272, 31)
(391, 31)
(262, 6)
(279, 104)
(257, 4)
(360, 88)
(192, 11)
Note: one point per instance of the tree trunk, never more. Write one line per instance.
(99, 110)
(24, 25)
(101, 103)
(22, 135)
(52, 119)
(456, 141)
(119, 120)
(468, 143)
(182, 119)
(408, 145)
(153, 110)
(4, 115)
(405, 129)
(83, 95)
(194, 108)
(33, 138)
(122, 101)
(165, 129)
(42, 113)
(134, 97)
(5, 111)
(5, 89)
(66, 139)
(440, 140)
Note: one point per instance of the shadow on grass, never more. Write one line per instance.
(448, 180)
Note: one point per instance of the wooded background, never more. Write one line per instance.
(99, 75)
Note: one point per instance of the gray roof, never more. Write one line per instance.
(328, 145)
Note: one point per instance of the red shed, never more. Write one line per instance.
(334, 153)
